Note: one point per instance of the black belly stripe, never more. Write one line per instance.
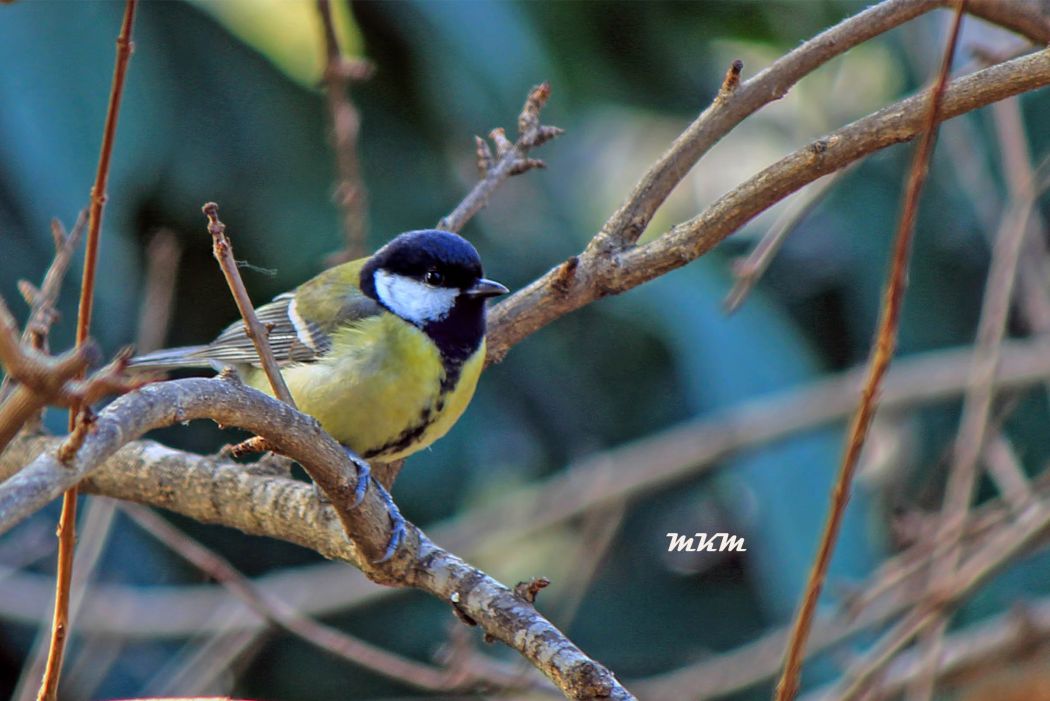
(411, 434)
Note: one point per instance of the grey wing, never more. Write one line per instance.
(292, 338)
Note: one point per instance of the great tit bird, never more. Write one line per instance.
(385, 352)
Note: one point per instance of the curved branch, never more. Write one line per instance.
(219, 491)
(1021, 16)
(600, 271)
(418, 563)
(734, 105)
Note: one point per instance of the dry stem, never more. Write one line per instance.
(350, 193)
(67, 519)
(882, 355)
(510, 159)
(222, 248)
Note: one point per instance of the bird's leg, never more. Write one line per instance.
(397, 524)
(397, 521)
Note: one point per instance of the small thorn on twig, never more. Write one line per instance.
(544, 134)
(565, 275)
(68, 450)
(252, 446)
(732, 79)
(525, 165)
(530, 589)
(529, 118)
(30, 293)
(58, 233)
(484, 155)
(503, 144)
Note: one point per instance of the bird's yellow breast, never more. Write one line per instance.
(379, 391)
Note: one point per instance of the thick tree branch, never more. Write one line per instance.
(732, 107)
(1027, 18)
(218, 491)
(418, 563)
(603, 270)
(610, 264)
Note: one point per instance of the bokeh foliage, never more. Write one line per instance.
(222, 104)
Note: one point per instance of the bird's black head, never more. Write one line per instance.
(433, 279)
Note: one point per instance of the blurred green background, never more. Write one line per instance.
(223, 104)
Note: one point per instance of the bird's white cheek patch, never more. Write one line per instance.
(413, 300)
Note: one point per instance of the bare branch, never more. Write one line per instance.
(749, 270)
(42, 311)
(1021, 16)
(511, 158)
(222, 248)
(67, 519)
(350, 193)
(216, 491)
(42, 380)
(731, 107)
(997, 641)
(418, 563)
(597, 274)
(162, 265)
(881, 356)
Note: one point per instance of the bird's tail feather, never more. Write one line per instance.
(171, 358)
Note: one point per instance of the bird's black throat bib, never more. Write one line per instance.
(458, 335)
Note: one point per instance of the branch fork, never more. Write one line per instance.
(510, 157)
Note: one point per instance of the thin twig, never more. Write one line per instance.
(749, 270)
(67, 520)
(42, 311)
(40, 379)
(222, 248)
(95, 530)
(732, 107)
(977, 406)
(350, 193)
(995, 553)
(882, 355)
(894, 587)
(997, 640)
(1024, 184)
(43, 380)
(42, 301)
(1004, 467)
(162, 266)
(510, 159)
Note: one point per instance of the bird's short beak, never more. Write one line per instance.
(486, 288)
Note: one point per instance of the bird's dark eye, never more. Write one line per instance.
(433, 277)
